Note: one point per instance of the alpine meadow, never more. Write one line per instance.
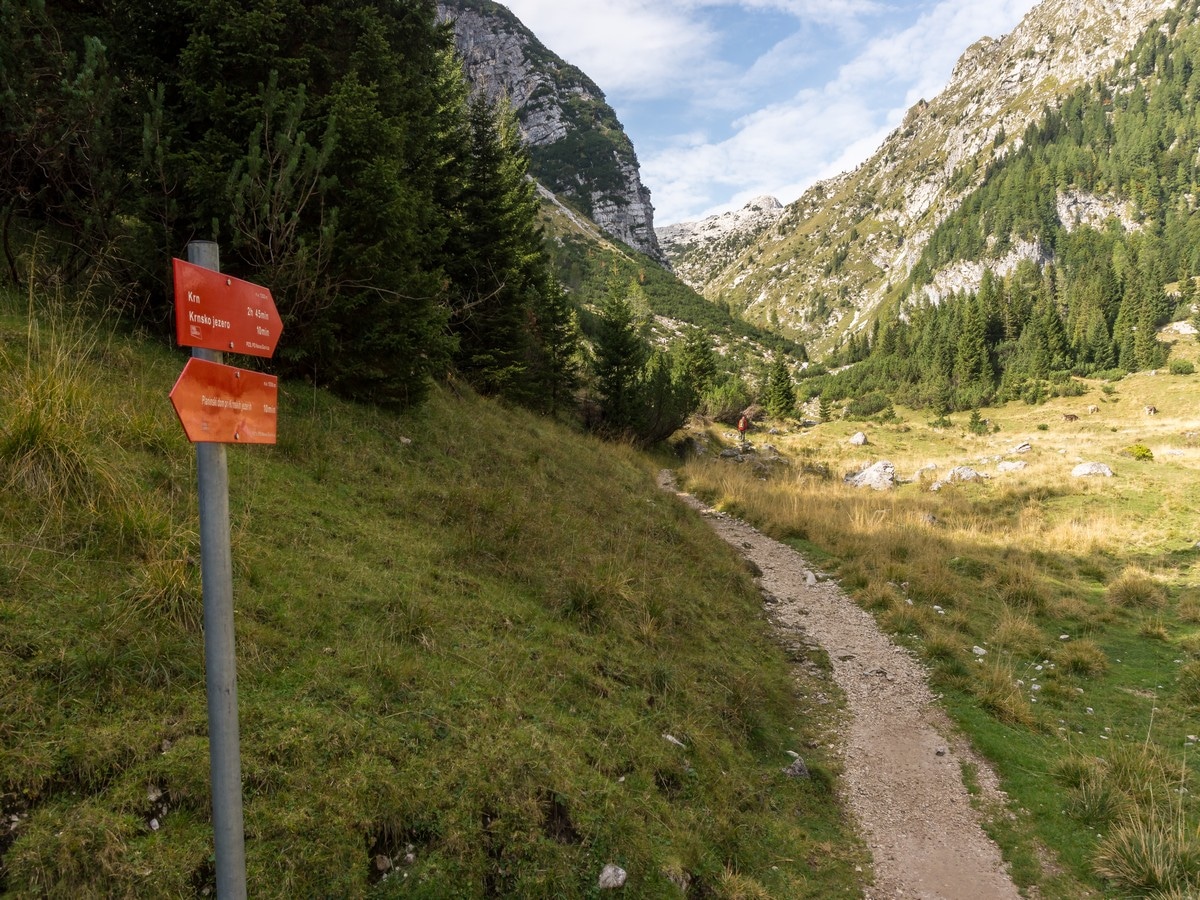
(481, 651)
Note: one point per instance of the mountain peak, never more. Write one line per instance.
(830, 257)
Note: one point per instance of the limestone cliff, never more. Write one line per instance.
(578, 147)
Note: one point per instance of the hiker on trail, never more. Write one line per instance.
(743, 425)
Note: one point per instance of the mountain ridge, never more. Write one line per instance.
(829, 262)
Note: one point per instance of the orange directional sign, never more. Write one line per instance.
(225, 405)
(219, 312)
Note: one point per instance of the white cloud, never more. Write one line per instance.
(784, 147)
(779, 120)
(633, 47)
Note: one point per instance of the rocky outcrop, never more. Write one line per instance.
(698, 248)
(578, 148)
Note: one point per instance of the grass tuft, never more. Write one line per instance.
(1082, 657)
(1147, 855)
(1135, 588)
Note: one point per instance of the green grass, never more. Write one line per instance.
(463, 633)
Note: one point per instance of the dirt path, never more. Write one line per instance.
(903, 776)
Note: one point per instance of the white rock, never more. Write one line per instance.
(612, 877)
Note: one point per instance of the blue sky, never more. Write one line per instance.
(729, 99)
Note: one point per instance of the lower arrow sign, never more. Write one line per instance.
(225, 405)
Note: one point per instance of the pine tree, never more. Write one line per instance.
(780, 394)
(621, 354)
(497, 267)
(698, 362)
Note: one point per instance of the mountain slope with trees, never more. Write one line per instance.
(1098, 291)
(823, 268)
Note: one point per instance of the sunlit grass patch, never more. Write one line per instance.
(1081, 657)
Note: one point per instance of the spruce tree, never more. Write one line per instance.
(780, 394)
(621, 353)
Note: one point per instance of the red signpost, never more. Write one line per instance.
(227, 405)
(219, 312)
(219, 405)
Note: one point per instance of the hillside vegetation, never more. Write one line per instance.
(1059, 615)
(478, 654)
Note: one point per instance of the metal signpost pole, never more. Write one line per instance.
(220, 660)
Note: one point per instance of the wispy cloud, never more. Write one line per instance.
(639, 48)
(813, 98)
(829, 127)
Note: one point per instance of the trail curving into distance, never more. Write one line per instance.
(902, 765)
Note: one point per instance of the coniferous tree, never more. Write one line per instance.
(621, 354)
(780, 394)
(698, 361)
(499, 270)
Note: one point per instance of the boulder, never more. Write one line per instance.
(859, 439)
(1086, 470)
(957, 475)
(612, 877)
(1015, 465)
(964, 473)
(880, 477)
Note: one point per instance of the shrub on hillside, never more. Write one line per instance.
(1150, 856)
(1181, 367)
(1081, 658)
(1139, 452)
(1189, 683)
(868, 405)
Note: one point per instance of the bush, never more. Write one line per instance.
(1139, 452)
(868, 405)
(1081, 658)
(1143, 856)
(1189, 683)
(1181, 367)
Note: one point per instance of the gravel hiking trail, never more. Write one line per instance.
(902, 759)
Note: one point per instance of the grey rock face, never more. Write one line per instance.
(503, 59)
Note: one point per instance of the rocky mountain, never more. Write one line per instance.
(709, 245)
(579, 149)
(825, 264)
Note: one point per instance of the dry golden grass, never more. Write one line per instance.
(1082, 657)
(1017, 633)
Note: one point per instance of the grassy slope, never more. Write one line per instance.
(462, 636)
(1016, 563)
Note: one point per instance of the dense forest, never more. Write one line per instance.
(1090, 302)
(336, 153)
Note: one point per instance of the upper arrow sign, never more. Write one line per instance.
(219, 312)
